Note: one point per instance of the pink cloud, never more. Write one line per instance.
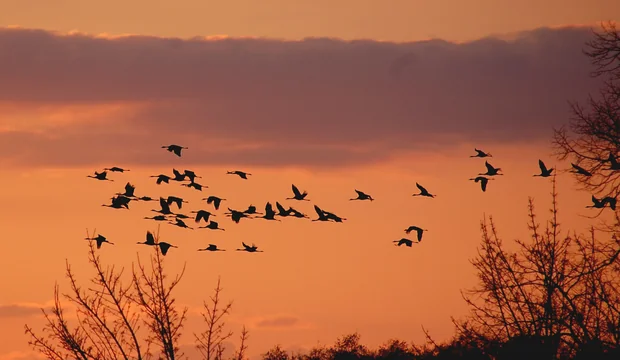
(315, 102)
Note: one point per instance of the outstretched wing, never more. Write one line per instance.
(149, 237)
(360, 193)
(318, 210)
(422, 189)
(296, 191)
(489, 166)
(280, 207)
(542, 166)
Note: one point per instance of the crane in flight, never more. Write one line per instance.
(195, 185)
(129, 191)
(404, 241)
(211, 247)
(164, 247)
(176, 149)
(119, 202)
(100, 239)
(241, 174)
(579, 170)
(483, 182)
(491, 171)
(202, 215)
(180, 223)
(177, 200)
(362, 196)
(298, 195)
(269, 213)
(165, 208)
(481, 154)
(100, 176)
(544, 172)
(215, 201)
(417, 229)
(213, 225)
(249, 248)
(157, 218)
(116, 169)
(423, 191)
(191, 175)
(150, 239)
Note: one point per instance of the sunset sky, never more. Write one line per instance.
(329, 95)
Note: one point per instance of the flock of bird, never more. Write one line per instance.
(165, 213)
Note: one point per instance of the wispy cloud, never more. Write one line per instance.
(315, 102)
(20, 310)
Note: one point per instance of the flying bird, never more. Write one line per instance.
(213, 225)
(241, 174)
(211, 247)
(423, 191)
(100, 239)
(165, 208)
(419, 230)
(362, 196)
(269, 213)
(580, 170)
(483, 182)
(129, 191)
(119, 202)
(251, 210)
(191, 175)
(322, 216)
(404, 241)
(481, 154)
(215, 201)
(195, 185)
(145, 198)
(281, 210)
(491, 171)
(162, 178)
(177, 200)
(150, 239)
(614, 165)
(176, 149)
(178, 176)
(180, 223)
(236, 215)
(202, 215)
(544, 172)
(164, 246)
(157, 218)
(248, 248)
(297, 194)
(116, 169)
(100, 176)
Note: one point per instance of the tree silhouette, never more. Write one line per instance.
(109, 315)
(210, 342)
(593, 133)
(555, 295)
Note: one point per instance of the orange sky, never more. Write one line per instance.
(376, 117)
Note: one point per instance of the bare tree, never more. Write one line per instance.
(593, 132)
(243, 347)
(210, 342)
(556, 294)
(110, 314)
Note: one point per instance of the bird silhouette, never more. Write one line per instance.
(544, 172)
(150, 239)
(491, 171)
(483, 182)
(362, 196)
(296, 213)
(119, 202)
(129, 191)
(180, 223)
(178, 176)
(164, 247)
(423, 191)
(195, 185)
(145, 198)
(281, 210)
(116, 169)
(182, 216)
(202, 215)
(100, 176)
(614, 165)
(580, 170)
(100, 239)
(404, 241)
(157, 218)
(211, 247)
(165, 208)
(251, 210)
(334, 217)
(236, 215)
(176, 149)
(322, 216)
(269, 213)
(177, 200)
(248, 248)
(215, 201)
(191, 175)
(213, 225)
(297, 195)
(419, 230)
(241, 174)
(481, 154)
(162, 178)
